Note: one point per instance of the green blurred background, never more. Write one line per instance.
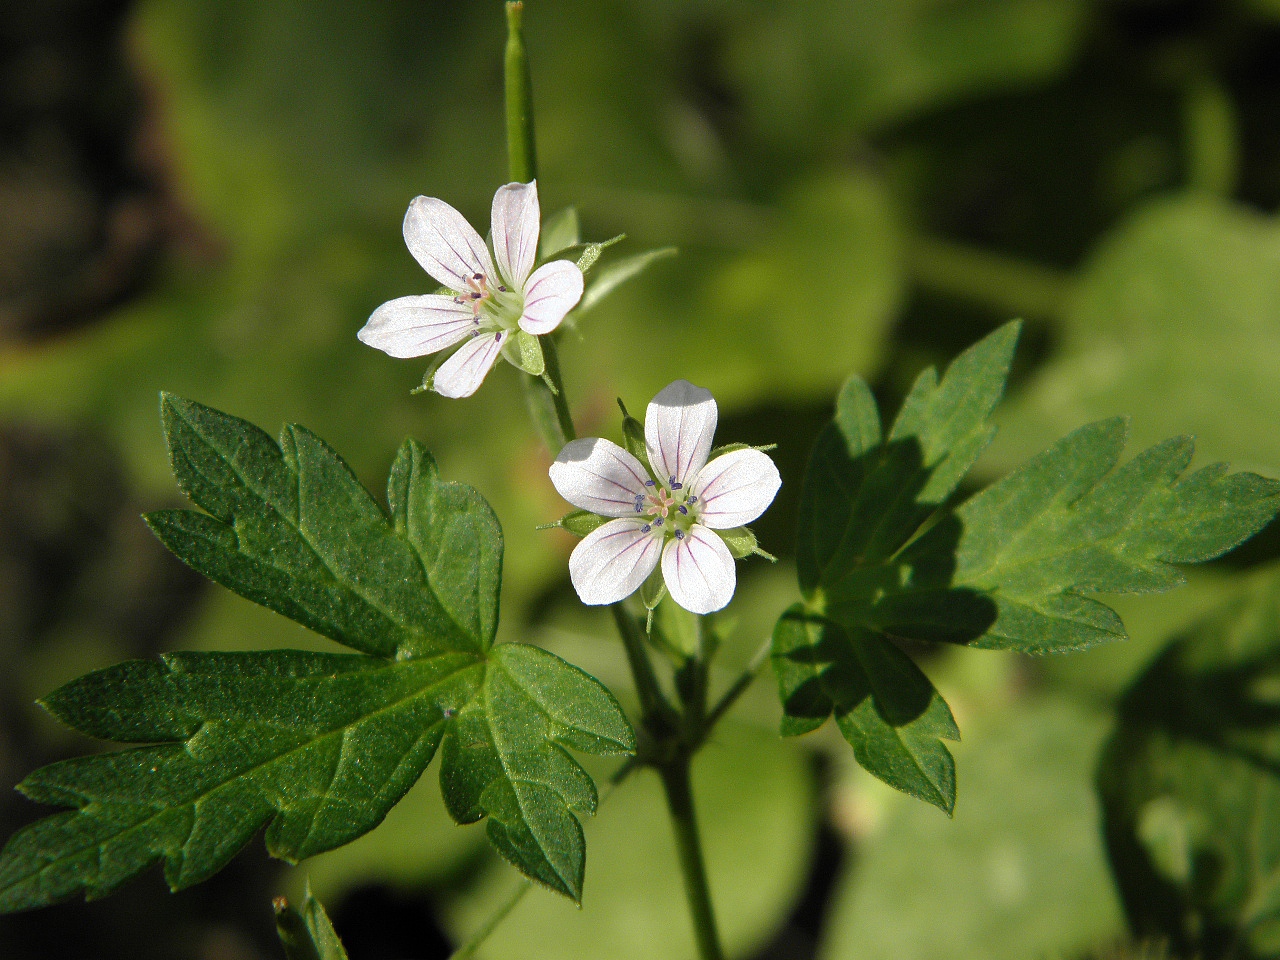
(205, 196)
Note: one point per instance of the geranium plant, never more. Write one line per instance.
(318, 747)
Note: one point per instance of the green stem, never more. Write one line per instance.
(1006, 284)
(553, 377)
(739, 686)
(522, 160)
(654, 708)
(675, 780)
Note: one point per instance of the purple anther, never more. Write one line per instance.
(502, 287)
(646, 528)
(679, 534)
(648, 483)
(477, 296)
(684, 510)
(676, 486)
(477, 276)
(657, 522)
(497, 338)
(693, 499)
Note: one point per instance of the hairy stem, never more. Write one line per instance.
(522, 160)
(549, 410)
(675, 781)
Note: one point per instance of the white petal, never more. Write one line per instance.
(699, 570)
(554, 289)
(462, 374)
(516, 220)
(613, 560)
(416, 326)
(448, 247)
(678, 428)
(598, 475)
(735, 488)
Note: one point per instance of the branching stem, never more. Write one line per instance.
(675, 735)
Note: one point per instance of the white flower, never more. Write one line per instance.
(670, 517)
(487, 306)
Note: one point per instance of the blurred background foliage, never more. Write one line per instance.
(204, 196)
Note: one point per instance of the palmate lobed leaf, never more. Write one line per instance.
(882, 555)
(318, 747)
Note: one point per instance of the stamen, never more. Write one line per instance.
(679, 534)
(477, 296)
(685, 511)
(693, 499)
(497, 338)
(646, 528)
(676, 486)
(648, 483)
(477, 276)
(502, 287)
(657, 522)
(639, 507)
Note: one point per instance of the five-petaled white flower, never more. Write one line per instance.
(487, 306)
(671, 516)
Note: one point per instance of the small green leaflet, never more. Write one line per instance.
(318, 747)
(307, 934)
(881, 554)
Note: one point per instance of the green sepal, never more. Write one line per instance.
(633, 437)
(735, 447)
(740, 541)
(429, 376)
(588, 253)
(677, 630)
(578, 522)
(528, 351)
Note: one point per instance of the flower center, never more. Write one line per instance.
(493, 306)
(673, 511)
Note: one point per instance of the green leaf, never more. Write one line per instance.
(307, 934)
(881, 553)
(865, 496)
(1069, 523)
(504, 757)
(609, 278)
(318, 747)
(290, 527)
(1190, 784)
(884, 705)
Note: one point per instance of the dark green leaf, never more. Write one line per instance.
(881, 553)
(1190, 784)
(865, 496)
(291, 528)
(884, 705)
(504, 757)
(318, 747)
(1068, 523)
